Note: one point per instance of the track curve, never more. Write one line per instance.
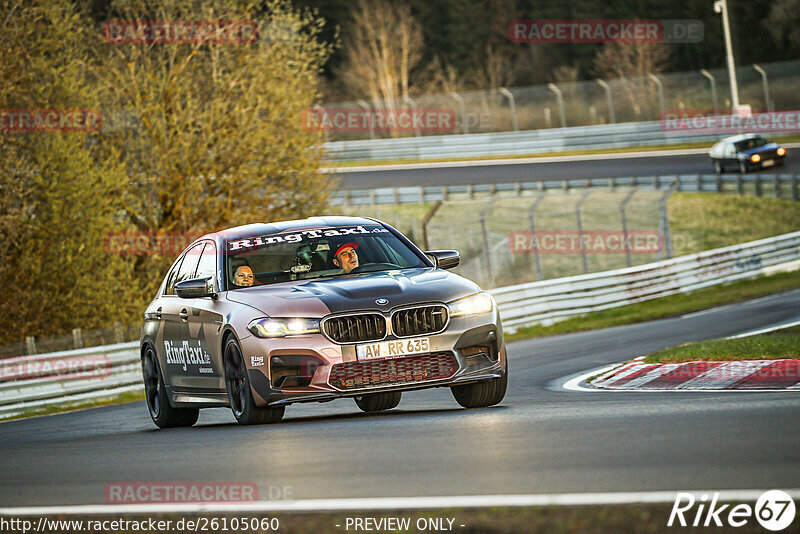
(541, 439)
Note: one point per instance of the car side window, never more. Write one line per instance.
(208, 261)
(730, 150)
(169, 288)
(189, 264)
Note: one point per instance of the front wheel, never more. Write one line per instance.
(163, 414)
(240, 396)
(481, 394)
(378, 402)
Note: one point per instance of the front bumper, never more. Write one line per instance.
(470, 349)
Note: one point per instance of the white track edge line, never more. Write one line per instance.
(393, 503)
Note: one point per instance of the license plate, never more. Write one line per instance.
(393, 349)
(768, 163)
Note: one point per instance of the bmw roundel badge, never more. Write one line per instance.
(381, 302)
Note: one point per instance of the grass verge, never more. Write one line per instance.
(122, 398)
(775, 345)
(667, 306)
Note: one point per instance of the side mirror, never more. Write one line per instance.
(197, 288)
(444, 259)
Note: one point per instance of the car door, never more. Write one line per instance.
(203, 328)
(178, 352)
(731, 159)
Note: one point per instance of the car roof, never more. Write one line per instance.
(740, 137)
(254, 229)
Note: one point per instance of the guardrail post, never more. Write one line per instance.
(578, 207)
(444, 192)
(463, 111)
(30, 343)
(609, 100)
(776, 186)
(739, 185)
(711, 79)
(119, 337)
(699, 183)
(664, 223)
(718, 181)
(767, 102)
(660, 87)
(537, 262)
(512, 107)
(372, 197)
(470, 193)
(76, 338)
(758, 185)
(612, 183)
(485, 235)
(795, 195)
(363, 105)
(425, 220)
(413, 106)
(347, 198)
(565, 184)
(624, 218)
(560, 99)
(421, 194)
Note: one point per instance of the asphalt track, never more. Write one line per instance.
(540, 439)
(556, 168)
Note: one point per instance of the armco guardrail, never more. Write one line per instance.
(711, 183)
(549, 301)
(45, 380)
(61, 378)
(625, 135)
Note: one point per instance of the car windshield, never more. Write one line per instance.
(753, 142)
(315, 252)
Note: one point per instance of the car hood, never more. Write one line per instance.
(769, 147)
(317, 298)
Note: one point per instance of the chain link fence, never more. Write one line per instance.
(583, 103)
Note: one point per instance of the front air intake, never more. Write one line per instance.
(355, 328)
(419, 321)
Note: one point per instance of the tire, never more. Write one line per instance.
(240, 397)
(718, 167)
(481, 394)
(378, 402)
(163, 414)
(743, 167)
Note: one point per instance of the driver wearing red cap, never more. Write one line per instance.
(345, 257)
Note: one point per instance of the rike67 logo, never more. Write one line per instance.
(774, 510)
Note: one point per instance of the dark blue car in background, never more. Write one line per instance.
(746, 152)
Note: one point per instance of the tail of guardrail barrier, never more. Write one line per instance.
(61, 378)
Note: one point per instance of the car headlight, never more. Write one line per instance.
(755, 158)
(781, 151)
(472, 305)
(292, 326)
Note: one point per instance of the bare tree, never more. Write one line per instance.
(632, 62)
(383, 46)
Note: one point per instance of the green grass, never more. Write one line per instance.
(780, 344)
(122, 398)
(666, 306)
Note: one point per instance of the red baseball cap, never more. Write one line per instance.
(353, 245)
